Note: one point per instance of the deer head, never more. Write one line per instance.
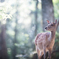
(51, 26)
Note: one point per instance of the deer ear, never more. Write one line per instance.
(48, 21)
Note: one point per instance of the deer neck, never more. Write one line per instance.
(53, 35)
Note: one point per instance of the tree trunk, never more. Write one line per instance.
(15, 37)
(47, 12)
(3, 48)
(15, 41)
(36, 17)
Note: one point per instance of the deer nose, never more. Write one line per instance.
(45, 27)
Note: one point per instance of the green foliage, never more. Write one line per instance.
(57, 41)
(56, 8)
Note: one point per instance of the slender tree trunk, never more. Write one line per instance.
(3, 48)
(36, 16)
(15, 41)
(47, 12)
(15, 37)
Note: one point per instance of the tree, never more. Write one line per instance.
(47, 12)
(36, 16)
(3, 48)
(15, 36)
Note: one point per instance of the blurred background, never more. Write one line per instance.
(20, 22)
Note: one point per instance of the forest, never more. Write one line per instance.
(20, 22)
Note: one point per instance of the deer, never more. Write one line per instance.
(44, 42)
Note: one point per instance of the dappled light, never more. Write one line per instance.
(20, 22)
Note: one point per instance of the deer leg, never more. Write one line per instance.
(44, 52)
(49, 53)
(40, 53)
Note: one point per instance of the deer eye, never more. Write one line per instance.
(51, 24)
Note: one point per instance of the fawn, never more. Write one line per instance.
(44, 42)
